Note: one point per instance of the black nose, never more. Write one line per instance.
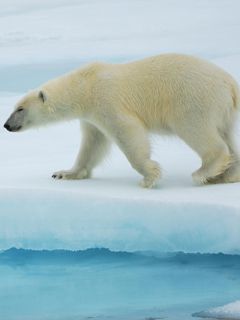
(7, 126)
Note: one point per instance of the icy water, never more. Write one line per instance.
(101, 284)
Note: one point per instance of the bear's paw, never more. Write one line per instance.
(71, 174)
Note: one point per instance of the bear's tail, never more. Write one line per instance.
(235, 91)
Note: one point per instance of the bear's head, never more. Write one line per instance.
(64, 98)
(30, 111)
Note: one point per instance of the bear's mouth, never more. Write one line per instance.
(12, 129)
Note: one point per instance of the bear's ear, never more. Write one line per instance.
(42, 96)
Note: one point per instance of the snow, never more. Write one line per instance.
(228, 311)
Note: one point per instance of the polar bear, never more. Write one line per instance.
(166, 94)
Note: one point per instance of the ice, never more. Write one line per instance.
(229, 311)
(42, 39)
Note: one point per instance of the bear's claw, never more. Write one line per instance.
(55, 176)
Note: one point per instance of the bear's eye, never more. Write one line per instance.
(20, 109)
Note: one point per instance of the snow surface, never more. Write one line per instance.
(43, 31)
(228, 311)
(41, 39)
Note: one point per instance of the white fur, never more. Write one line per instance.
(170, 94)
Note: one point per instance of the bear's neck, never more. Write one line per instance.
(69, 97)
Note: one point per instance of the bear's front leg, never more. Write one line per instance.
(93, 149)
(132, 138)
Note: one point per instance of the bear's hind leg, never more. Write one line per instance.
(232, 174)
(213, 166)
(213, 151)
(93, 149)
